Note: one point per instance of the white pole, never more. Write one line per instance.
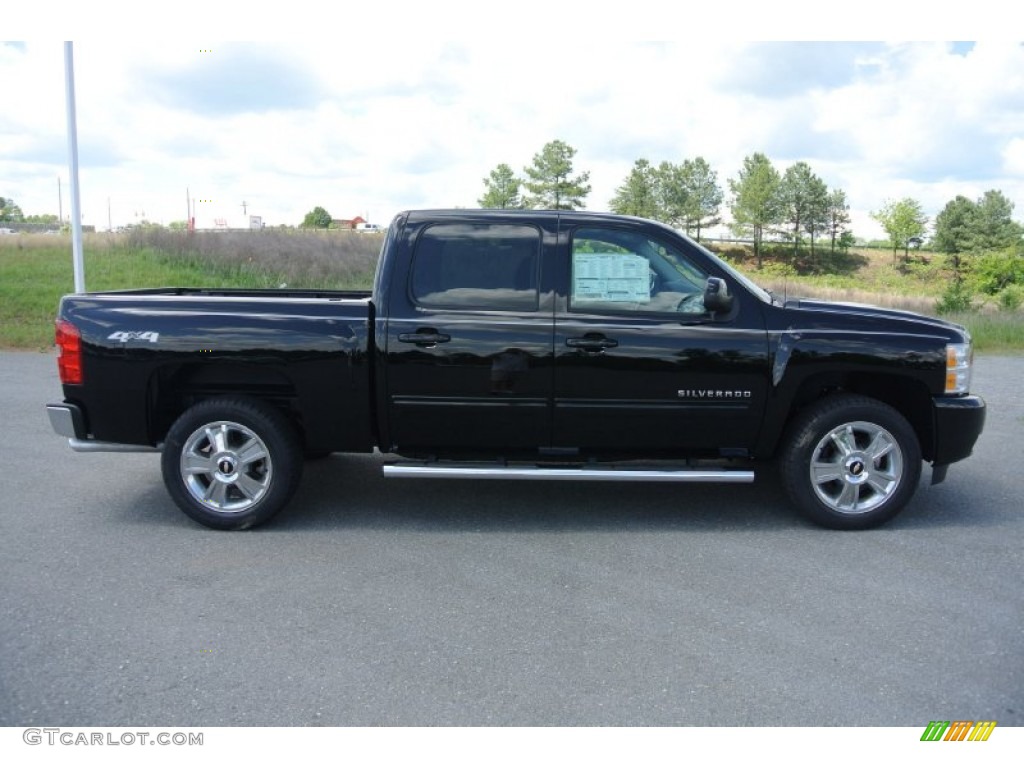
(76, 209)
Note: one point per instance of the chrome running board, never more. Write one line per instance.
(95, 446)
(477, 472)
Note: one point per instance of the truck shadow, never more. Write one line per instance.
(355, 495)
(348, 491)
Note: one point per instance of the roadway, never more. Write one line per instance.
(433, 602)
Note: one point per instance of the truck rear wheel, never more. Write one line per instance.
(231, 463)
(850, 462)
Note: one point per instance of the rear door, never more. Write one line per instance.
(469, 349)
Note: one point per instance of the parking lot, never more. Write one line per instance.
(411, 602)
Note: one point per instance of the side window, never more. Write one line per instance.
(476, 266)
(621, 271)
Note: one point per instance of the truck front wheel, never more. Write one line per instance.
(850, 462)
(231, 463)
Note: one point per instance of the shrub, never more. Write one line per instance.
(956, 298)
(994, 271)
(1010, 298)
(734, 253)
(778, 269)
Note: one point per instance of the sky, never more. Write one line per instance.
(365, 122)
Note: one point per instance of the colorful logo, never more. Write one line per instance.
(958, 730)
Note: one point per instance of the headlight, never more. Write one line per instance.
(958, 368)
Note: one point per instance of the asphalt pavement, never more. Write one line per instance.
(439, 602)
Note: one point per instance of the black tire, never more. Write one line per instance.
(850, 462)
(231, 463)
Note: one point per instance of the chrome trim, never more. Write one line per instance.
(95, 446)
(537, 473)
(62, 419)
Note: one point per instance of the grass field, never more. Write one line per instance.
(35, 271)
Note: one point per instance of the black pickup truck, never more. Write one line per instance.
(522, 345)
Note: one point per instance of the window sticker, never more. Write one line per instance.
(616, 277)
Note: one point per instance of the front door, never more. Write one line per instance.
(640, 365)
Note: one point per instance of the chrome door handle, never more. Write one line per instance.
(424, 338)
(591, 343)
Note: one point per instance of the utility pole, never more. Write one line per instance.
(245, 212)
(60, 203)
(110, 222)
(76, 216)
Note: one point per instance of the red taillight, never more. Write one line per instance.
(69, 353)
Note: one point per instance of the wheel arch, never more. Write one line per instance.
(909, 396)
(173, 389)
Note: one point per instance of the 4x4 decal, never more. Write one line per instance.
(125, 336)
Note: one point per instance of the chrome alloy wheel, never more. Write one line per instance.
(226, 466)
(856, 467)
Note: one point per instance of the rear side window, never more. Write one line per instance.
(476, 266)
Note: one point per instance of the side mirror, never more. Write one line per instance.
(716, 296)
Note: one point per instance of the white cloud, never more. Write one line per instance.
(1013, 158)
(365, 124)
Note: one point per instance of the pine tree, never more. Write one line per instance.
(550, 180)
(501, 189)
(755, 204)
(638, 195)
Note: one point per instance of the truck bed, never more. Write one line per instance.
(148, 353)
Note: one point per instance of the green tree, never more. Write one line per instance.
(802, 199)
(818, 218)
(9, 210)
(837, 214)
(967, 228)
(43, 218)
(901, 220)
(846, 240)
(997, 229)
(755, 199)
(501, 189)
(956, 233)
(672, 195)
(318, 218)
(703, 198)
(550, 180)
(638, 195)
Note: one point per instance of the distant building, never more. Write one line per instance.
(347, 223)
(232, 223)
